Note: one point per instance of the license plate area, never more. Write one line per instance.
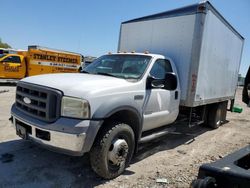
(23, 129)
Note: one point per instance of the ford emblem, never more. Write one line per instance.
(26, 100)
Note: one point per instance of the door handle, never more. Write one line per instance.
(176, 95)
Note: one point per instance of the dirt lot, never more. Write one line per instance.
(173, 157)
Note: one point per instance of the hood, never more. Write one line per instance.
(78, 85)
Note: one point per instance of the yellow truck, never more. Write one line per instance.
(7, 51)
(38, 60)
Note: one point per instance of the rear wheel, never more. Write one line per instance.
(112, 150)
(214, 116)
(217, 114)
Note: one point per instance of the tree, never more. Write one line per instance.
(4, 45)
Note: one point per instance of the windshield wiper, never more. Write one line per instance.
(105, 74)
(100, 73)
(83, 71)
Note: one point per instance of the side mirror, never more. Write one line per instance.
(153, 82)
(246, 89)
(169, 83)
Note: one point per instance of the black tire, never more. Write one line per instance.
(106, 140)
(224, 111)
(214, 116)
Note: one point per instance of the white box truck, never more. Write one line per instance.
(205, 48)
(126, 98)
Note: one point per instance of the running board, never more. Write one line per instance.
(156, 135)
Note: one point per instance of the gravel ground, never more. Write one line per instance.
(171, 161)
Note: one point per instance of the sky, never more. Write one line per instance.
(92, 27)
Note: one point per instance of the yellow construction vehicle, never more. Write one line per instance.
(38, 60)
(7, 51)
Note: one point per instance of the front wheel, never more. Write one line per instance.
(112, 150)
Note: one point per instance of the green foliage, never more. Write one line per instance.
(4, 45)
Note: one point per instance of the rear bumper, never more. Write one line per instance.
(69, 136)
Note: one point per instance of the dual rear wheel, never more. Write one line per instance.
(217, 114)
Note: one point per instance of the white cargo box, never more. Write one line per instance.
(204, 46)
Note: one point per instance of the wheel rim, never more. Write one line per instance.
(218, 118)
(118, 152)
(218, 123)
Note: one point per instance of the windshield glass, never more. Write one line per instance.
(2, 55)
(121, 66)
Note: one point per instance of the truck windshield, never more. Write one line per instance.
(2, 55)
(121, 66)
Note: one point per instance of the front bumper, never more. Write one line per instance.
(69, 136)
(71, 144)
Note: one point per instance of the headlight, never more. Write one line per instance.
(75, 107)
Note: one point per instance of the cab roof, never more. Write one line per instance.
(138, 53)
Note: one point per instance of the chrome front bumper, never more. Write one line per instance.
(71, 144)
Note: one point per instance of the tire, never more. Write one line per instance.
(224, 111)
(214, 116)
(112, 150)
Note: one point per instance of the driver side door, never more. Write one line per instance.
(161, 105)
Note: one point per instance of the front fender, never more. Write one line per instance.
(118, 104)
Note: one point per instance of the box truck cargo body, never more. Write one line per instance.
(205, 48)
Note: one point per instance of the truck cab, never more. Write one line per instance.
(12, 66)
(148, 73)
(123, 94)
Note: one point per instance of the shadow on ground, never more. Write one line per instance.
(7, 83)
(25, 164)
(181, 134)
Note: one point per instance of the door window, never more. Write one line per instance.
(160, 68)
(12, 59)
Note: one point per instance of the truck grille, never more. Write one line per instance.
(39, 102)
